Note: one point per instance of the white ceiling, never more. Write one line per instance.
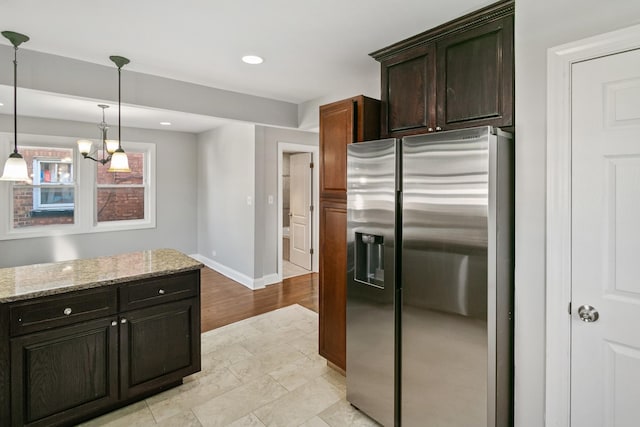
(311, 48)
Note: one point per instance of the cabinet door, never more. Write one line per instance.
(333, 281)
(475, 76)
(408, 91)
(158, 346)
(62, 371)
(337, 129)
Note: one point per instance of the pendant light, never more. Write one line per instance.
(119, 160)
(15, 169)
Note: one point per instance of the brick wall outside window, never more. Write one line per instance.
(23, 215)
(125, 203)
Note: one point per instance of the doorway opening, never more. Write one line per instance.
(297, 210)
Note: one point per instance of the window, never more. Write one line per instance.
(70, 195)
(53, 178)
(120, 196)
(50, 198)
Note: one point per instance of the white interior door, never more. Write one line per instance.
(300, 210)
(605, 354)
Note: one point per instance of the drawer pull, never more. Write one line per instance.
(123, 321)
(114, 323)
(67, 311)
(161, 291)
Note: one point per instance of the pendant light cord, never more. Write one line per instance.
(119, 99)
(15, 99)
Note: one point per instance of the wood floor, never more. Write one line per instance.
(225, 301)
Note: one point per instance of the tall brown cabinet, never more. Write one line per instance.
(344, 122)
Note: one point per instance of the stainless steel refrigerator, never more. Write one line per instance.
(430, 279)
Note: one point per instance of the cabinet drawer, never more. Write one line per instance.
(159, 290)
(50, 312)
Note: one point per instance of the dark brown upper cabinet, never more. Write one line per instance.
(457, 75)
(410, 90)
(475, 77)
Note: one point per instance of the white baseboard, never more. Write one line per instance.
(241, 278)
(271, 279)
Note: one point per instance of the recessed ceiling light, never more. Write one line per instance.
(165, 123)
(1, 104)
(252, 59)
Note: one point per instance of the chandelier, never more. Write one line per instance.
(109, 146)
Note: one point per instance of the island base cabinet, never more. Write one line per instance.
(64, 374)
(159, 345)
(74, 356)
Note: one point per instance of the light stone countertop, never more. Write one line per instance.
(31, 281)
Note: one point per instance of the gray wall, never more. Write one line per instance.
(226, 178)
(236, 161)
(175, 200)
(541, 24)
(268, 226)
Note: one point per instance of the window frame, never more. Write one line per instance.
(85, 191)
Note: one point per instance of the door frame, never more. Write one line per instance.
(560, 60)
(288, 147)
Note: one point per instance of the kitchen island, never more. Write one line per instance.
(82, 337)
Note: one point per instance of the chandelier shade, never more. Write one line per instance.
(112, 145)
(84, 146)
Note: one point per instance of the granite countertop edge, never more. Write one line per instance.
(192, 265)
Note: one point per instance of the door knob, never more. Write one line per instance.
(588, 314)
(438, 128)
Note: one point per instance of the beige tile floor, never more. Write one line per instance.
(262, 371)
(290, 269)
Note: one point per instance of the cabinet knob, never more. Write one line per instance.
(161, 291)
(67, 311)
(123, 320)
(430, 130)
(438, 128)
(114, 323)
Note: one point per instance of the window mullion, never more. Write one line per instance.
(84, 183)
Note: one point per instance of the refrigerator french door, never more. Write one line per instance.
(371, 278)
(452, 300)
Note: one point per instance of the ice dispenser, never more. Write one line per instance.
(369, 258)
